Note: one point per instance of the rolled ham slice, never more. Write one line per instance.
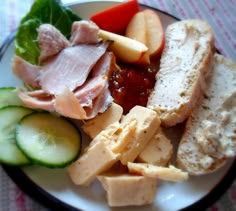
(51, 41)
(84, 32)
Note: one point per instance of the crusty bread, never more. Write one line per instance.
(210, 134)
(186, 59)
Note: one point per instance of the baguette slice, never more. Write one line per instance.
(210, 134)
(185, 60)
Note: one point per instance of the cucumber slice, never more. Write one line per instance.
(9, 96)
(48, 140)
(9, 152)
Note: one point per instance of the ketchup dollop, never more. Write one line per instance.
(131, 85)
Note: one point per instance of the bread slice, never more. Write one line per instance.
(210, 134)
(185, 60)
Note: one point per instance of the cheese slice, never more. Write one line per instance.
(94, 126)
(108, 135)
(126, 189)
(97, 159)
(158, 151)
(124, 135)
(147, 124)
(170, 173)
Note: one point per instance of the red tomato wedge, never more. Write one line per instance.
(116, 18)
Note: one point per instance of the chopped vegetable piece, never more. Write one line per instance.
(126, 49)
(146, 27)
(9, 152)
(116, 18)
(9, 96)
(155, 33)
(48, 140)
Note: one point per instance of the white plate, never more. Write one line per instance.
(54, 188)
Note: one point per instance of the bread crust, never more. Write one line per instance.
(209, 138)
(186, 59)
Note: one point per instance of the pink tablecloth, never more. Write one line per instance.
(219, 13)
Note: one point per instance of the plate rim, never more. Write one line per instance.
(44, 198)
(41, 196)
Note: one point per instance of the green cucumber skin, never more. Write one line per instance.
(13, 155)
(41, 162)
(9, 96)
(9, 100)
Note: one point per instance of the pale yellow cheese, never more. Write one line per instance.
(94, 126)
(97, 159)
(170, 173)
(125, 134)
(158, 151)
(108, 135)
(126, 189)
(147, 124)
(115, 134)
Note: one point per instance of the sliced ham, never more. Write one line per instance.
(51, 41)
(104, 64)
(100, 104)
(25, 71)
(84, 32)
(37, 99)
(65, 104)
(74, 82)
(85, 102)
(68, 105)
(71, 68)
(90, 90)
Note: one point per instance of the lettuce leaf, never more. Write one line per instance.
(42, 11)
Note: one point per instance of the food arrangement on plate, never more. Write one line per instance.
(128, 82)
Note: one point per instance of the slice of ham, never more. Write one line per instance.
(84, 32)
(71, 68)
(68, 105)
(25, 71)
(94, 96)
(51, 41)
(104, 64)
(84, 103)
(90, 90)
(37, 99)
(98, 82)
(73, 83)
(65, 104)
(100, 104)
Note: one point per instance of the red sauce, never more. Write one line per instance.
(131, 85)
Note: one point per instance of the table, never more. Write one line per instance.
(219, 13)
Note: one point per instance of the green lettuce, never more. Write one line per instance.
(42, 11)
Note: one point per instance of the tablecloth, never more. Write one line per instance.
(219, 13)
